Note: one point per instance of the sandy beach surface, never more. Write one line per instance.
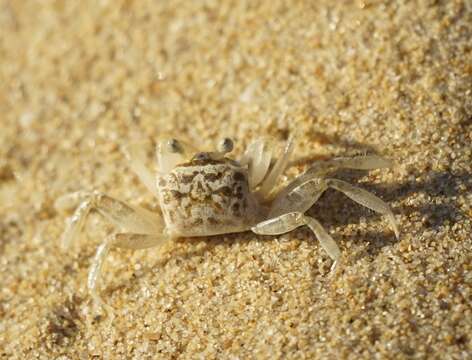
(80, 80)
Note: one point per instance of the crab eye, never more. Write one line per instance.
(226, 145)
(173, 146)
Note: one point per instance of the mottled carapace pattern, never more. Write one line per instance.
(207, 197)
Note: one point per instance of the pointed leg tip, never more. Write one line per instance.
(397, 233)
(100, 309)
(394, 225)
(110, 312)
(335, 268)
(101, 306)
(396, 230)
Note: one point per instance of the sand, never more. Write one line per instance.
(79, 80)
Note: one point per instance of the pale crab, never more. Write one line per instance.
(208, 193)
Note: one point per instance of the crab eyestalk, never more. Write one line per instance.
(224, 147)
(173, 146)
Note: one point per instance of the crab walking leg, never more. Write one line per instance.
(299, 199)
(133, 219)
(366, 199)
(124, 241)
(320, 169)
(302, 197)
(288, 222)
(76, 222)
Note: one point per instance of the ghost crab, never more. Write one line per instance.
(208, 193)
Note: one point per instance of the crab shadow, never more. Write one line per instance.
(334, 209)
(209, 244)
(355, 148)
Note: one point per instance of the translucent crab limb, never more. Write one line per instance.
(124, 241)
(124, 216)
(142, 229)
(290, 221)
(257, 157)
(303, 196)
(366, 199)
(76, 223)
(269, 182)
(287, 210)
(320, 169)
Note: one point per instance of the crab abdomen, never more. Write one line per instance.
(208, 199)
